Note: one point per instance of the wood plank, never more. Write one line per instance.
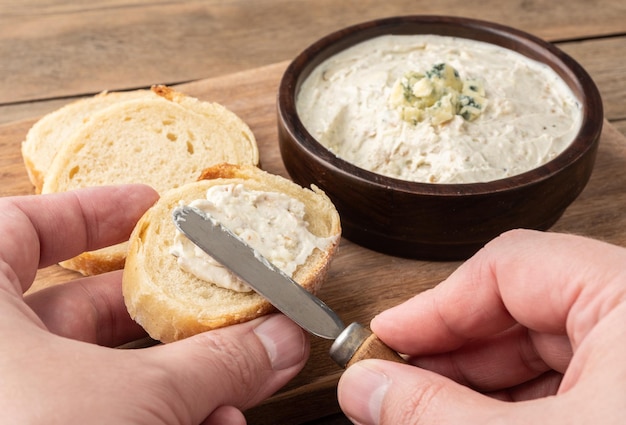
(58, 49)
(361, 282)
(605, 60)
(620, 126)
(31, 109)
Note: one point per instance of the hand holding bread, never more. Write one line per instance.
(58, 342)
(172, 303)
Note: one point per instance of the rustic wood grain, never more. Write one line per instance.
(361, 282)
(60, 48)
(605, 60)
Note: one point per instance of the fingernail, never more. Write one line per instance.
(367, 389)
(283, 340)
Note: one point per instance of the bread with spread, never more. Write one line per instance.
(164, 139)
(172, 301)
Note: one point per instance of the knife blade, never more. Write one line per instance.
(351, 343)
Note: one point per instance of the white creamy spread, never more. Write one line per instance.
(270, 222)
(378, 106)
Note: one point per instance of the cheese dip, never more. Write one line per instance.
(270, 222)
(438, 109)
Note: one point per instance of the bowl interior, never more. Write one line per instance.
(569, 70)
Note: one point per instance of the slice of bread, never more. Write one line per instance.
(171, 303)
(162, 141)
(48, 134)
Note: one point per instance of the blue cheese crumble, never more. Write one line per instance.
(437, 95)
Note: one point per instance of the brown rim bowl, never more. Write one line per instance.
(438, 221)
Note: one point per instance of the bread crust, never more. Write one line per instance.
(172, 304)
(158, 137)
(100, 261)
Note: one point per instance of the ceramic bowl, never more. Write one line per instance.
(438, 221)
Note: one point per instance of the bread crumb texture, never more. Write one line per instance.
(159, 137)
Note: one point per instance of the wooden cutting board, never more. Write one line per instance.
(361, 282)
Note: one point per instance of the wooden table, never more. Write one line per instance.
(233, 52)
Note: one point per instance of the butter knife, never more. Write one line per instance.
(351, 343)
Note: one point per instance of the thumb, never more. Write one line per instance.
(373, 392)
(238, 366)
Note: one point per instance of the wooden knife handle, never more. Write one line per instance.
(358, 343)
(374, 348)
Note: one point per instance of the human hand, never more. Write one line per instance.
(55, 361)
(530, 316)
